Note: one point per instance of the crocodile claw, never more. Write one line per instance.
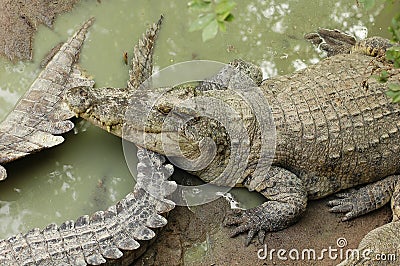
(347, 202)
(356, 202)
(343, 205)
(246, 220)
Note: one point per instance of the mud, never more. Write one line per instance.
(197, 237)
(19, 21)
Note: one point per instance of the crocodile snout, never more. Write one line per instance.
(78, 99)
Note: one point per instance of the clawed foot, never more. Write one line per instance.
(286, 201)
(346, 202)
(356, 202)
(247, 221)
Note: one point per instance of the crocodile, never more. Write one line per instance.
(335, 129)
(120, 234)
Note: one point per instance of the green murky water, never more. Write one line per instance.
(88, 171)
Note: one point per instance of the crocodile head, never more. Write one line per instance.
(194, 128)
(209, 133)
(102, 107)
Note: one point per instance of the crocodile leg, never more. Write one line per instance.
(333, 42)
(286, 201)
(360, 201)
(382, 241)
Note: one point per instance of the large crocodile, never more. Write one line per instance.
(117, 235)
(335, 129)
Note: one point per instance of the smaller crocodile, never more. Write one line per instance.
(41, 116)
(335, 42)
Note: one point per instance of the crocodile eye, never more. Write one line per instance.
(83, 93)
(164, 109)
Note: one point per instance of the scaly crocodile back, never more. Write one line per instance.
(336, 128)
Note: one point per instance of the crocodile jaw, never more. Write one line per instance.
(166, 143)
(99, 106)
(156, 123)
(91, 104)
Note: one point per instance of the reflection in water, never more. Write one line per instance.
(88, 171)
(15, 79)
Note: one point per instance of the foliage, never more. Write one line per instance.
(393, 55)
(394, 29)
(394, 92)
(214, 14)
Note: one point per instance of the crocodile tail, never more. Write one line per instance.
(41, 114)
(119, 234)
(332, 41)
(142, 60)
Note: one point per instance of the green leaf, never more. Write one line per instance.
(201, 22)
(393, 54)
(383, 76)
(222, 26)
(394, 29)
(394, 87)
(200, 5)
(368, 4)
(229, 18)
(210, 31)
(215, 14)
(394, 92)
(223, 16)
(396, 98)
(395, 95)
(225, 6)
